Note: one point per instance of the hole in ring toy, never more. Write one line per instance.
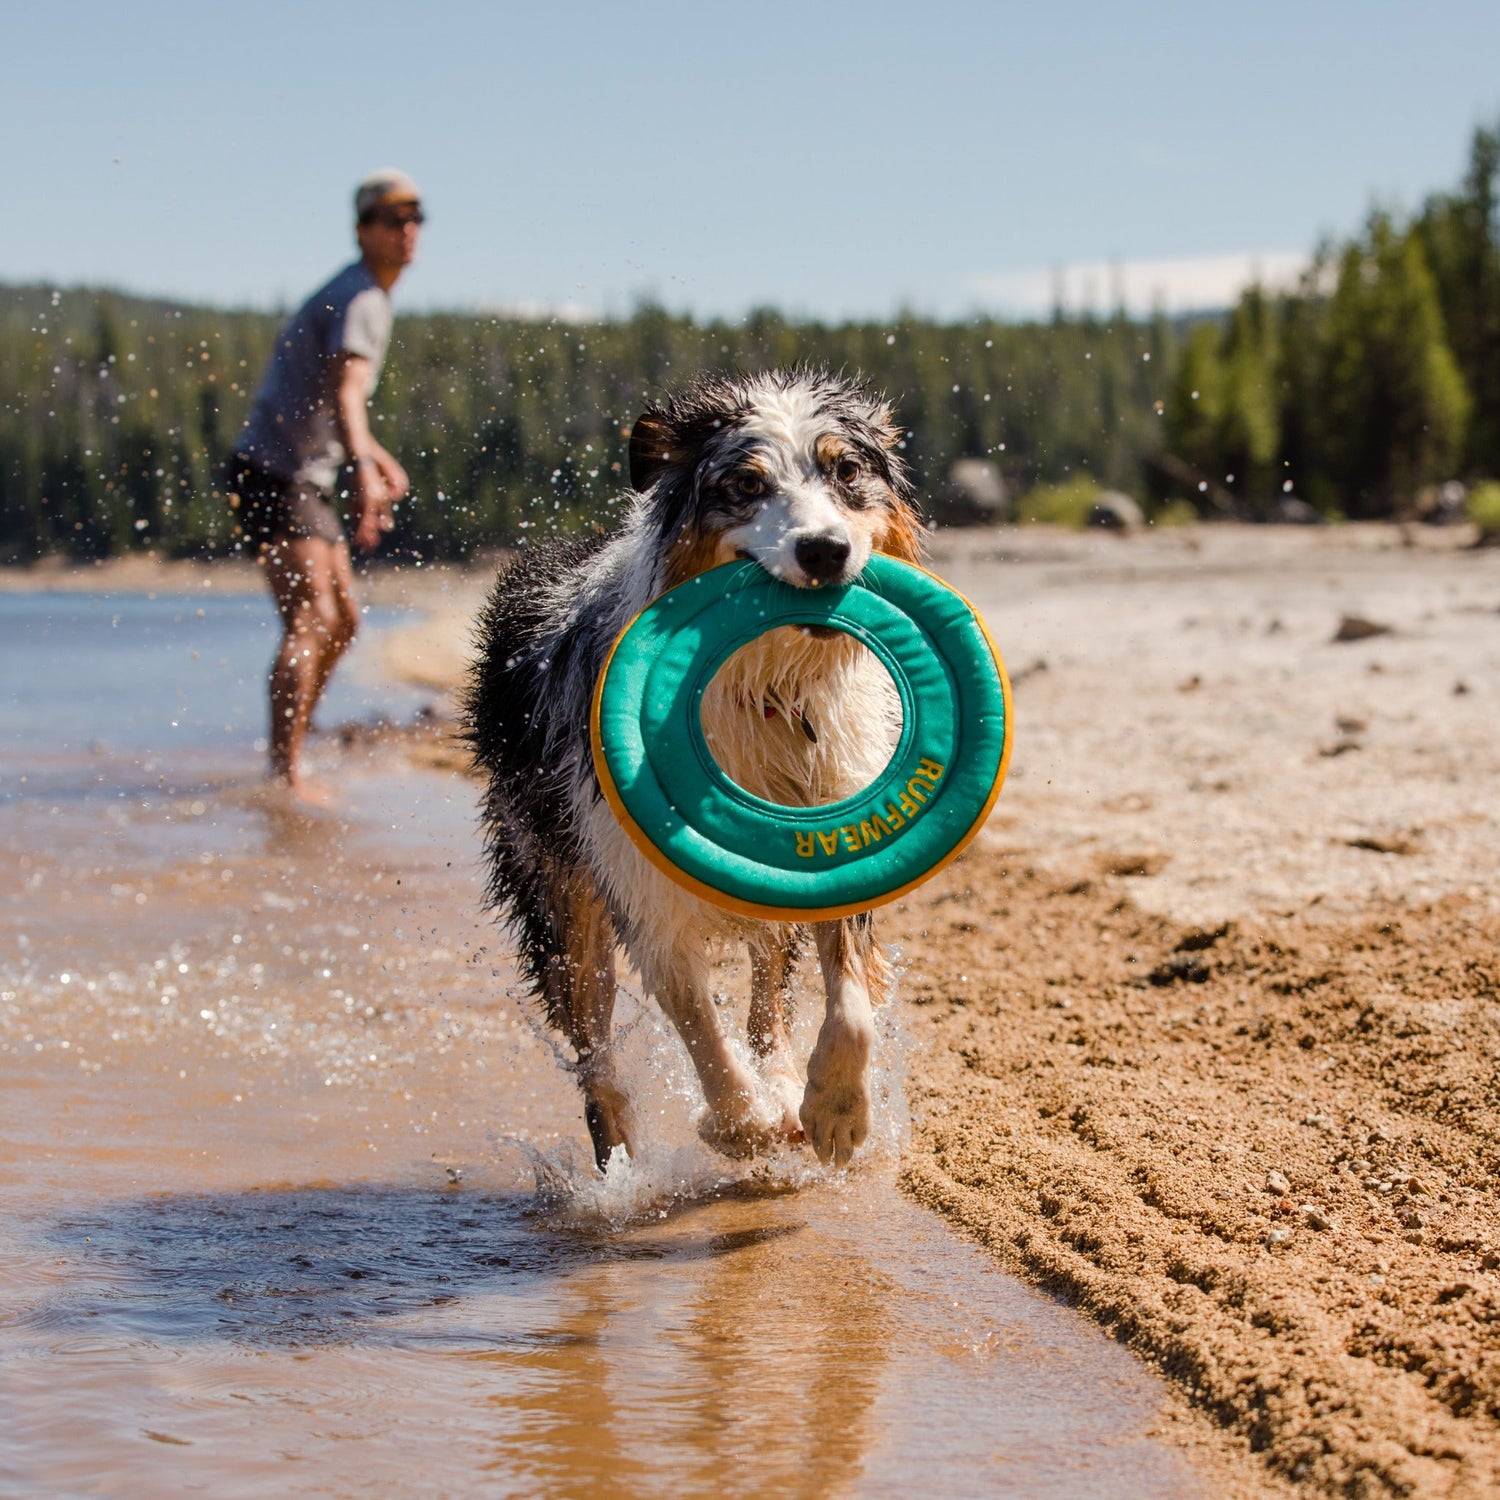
(803, 864)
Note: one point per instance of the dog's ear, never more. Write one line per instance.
(882, 419)
(651, 448)
(670, 437)
(880, 423)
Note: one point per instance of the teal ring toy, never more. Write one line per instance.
(760, 858)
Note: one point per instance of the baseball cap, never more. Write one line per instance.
(385, 186)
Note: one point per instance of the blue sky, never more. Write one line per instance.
(830, 159)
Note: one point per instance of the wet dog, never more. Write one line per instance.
(798, 471)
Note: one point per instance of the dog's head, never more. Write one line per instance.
(794, 469)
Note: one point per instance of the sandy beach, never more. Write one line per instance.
(1207, 1017)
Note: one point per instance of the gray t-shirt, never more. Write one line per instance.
(293, 430)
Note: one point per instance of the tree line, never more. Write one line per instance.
(1377, 375)
(116, 413)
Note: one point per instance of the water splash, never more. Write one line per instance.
(673, 1169)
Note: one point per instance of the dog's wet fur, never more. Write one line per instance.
(799, 471)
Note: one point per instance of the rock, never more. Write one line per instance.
(972, 494)
(1442, 504)
(1357, 628)
(1179, 968)
(1199, 938)
(1292, 510)
(1314, 1217)
(1115, 511)
(1277, 1183)
(1147, 862)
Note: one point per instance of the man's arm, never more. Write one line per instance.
(379, 481)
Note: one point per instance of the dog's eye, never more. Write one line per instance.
(751, 486)
(847, 470)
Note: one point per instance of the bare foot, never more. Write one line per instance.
(299, 789)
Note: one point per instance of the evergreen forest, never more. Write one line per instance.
(1373, 380)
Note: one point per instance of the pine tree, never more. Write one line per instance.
(1394, 408)
(1461, 237)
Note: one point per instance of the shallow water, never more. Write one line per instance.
(294, 1197)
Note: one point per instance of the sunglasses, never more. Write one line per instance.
(390, 218)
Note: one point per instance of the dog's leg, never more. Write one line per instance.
(737, 1123)
(836, 1104)
(770, 996)
(579, 981)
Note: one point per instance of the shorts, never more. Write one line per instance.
(271, 509)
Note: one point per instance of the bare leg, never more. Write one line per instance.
(312, 581)
(836, 1105)
(770, 977)
(346, 612)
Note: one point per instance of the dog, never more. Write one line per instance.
(800, 471)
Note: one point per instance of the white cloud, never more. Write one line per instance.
(536, 310)
(1185, 284)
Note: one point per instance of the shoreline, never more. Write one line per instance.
(1205, 1020)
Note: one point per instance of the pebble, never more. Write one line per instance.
(1277, 1236)
(1357, 628)
(1276, 1183)
(1315, 1217)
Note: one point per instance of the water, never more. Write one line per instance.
(85, 673)
(294, 1197)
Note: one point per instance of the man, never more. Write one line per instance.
(307, 440)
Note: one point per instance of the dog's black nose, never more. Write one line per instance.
(822, 557)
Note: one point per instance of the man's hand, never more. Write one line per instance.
(397, 485)
(379, 481)
(372, 504)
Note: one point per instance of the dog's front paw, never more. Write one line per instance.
(836, 1103)
(785, 1088)
(747, 1130)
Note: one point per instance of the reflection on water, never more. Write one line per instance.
(270, 1222)
(829, 1342)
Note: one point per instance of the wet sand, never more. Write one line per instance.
(1207, 1019)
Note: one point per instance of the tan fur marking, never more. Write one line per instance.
(691, 554)
(903, 536)
(770, 973)
(828, 450)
